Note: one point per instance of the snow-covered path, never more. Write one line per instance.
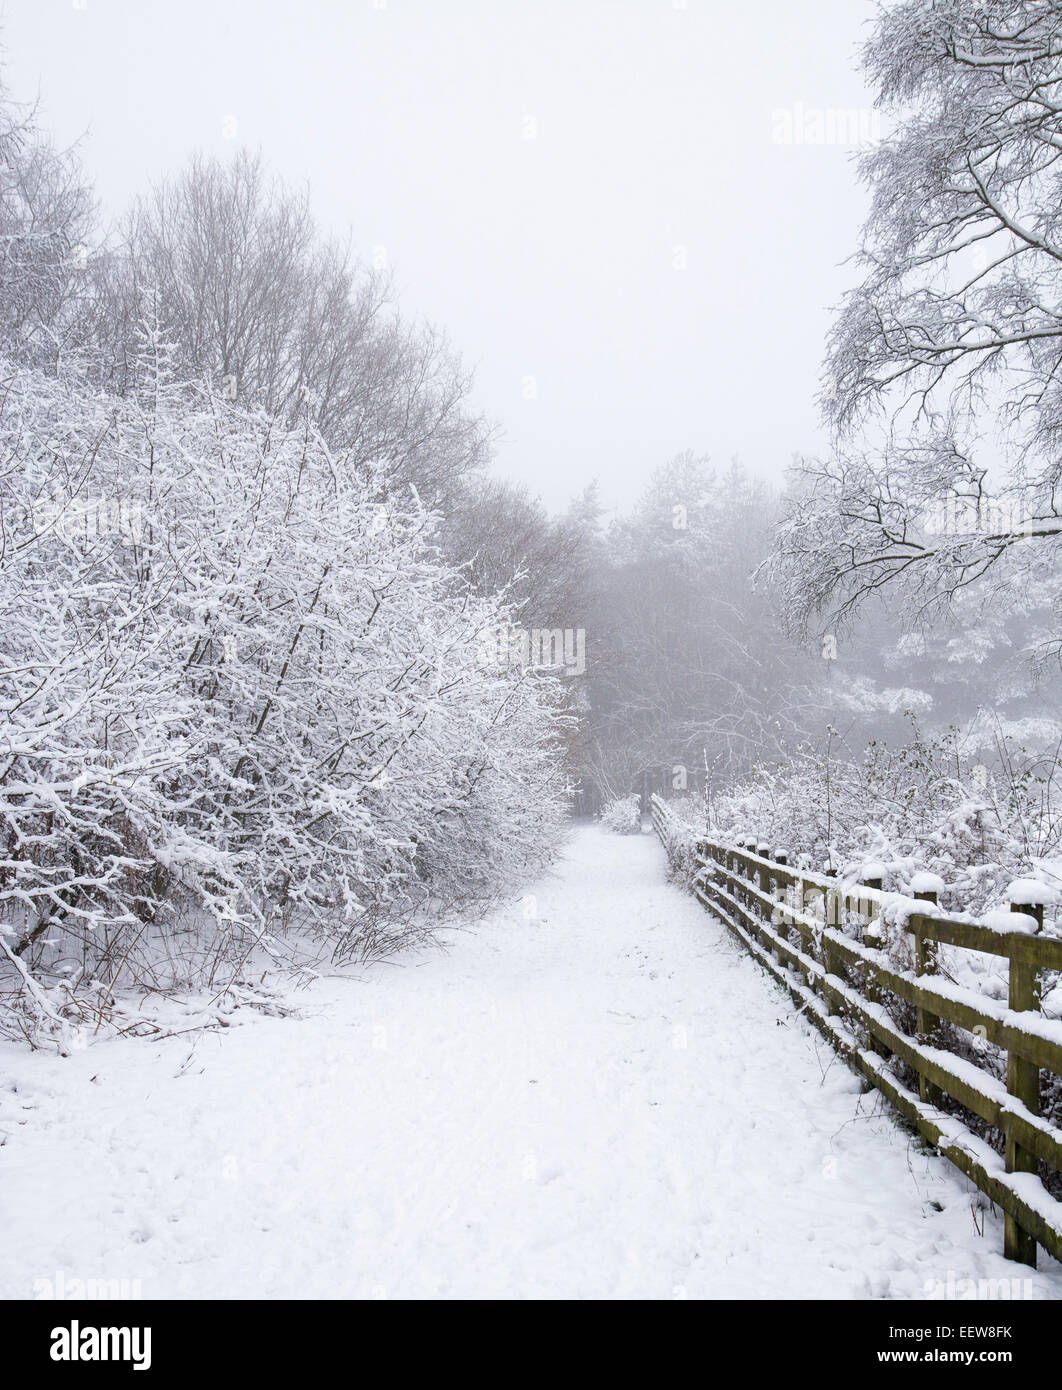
(592, 1094)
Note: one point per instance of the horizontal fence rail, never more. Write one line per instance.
(824, 941)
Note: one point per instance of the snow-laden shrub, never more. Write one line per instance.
(931, 805)
(623, 816)
(240, 696)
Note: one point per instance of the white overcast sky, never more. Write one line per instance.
(555, 257)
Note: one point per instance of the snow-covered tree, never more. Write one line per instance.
(943, 371)
(273, 314)
(46, 217)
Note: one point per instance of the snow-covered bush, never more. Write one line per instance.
(623, 816)
(932, 804)
(240, 697)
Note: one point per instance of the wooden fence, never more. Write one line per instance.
(822, 939)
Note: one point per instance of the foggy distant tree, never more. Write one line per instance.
(504, 539)
(966, 672)
(687, 660)
(46, 218)
(270, 313)
(946, 358)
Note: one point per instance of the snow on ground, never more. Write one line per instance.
(593, 1094)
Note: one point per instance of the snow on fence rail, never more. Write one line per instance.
(839, 981)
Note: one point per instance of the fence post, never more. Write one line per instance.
(763, 874)
(926, 1023)
(768, 885)
(831, 917)
(749, 846)
(1023, 1082)
(763, 880)
(781, 894)
(873, 939)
